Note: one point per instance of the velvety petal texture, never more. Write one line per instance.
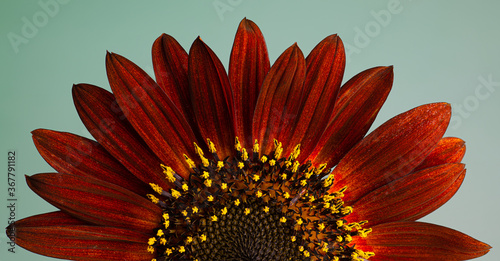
(99, 111)
(392, 150)
(420, 241)
(248, 66)
(279, 99)
(96, 201)
(72, 154)
(152, 114)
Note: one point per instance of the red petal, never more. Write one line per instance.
(404, 198)
(392, 150)
(72, 154)
(212, 98)
(440, 199)
(448, 150)
(96, 201)
(419, 241)
(279, 100)
(153, 115)
(99, 111)
(80, 242)
(248, 66)
(325, 68)
(56, 218)
(359, 102)
(170, 62)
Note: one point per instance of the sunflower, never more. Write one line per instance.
(260, 163)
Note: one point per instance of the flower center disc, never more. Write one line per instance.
(251, 208)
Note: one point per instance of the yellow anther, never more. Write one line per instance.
(309, 174)
(306, 253)
(295, 166)
(213, 218)
(175, 193)
(182, 249)
(163, 241)
(184, 212)
(364, 232)
(258, 194)
(300, 221)
(339, 223)
(346, 210)
(348, 238)
(303, 182)
(241, 165)
(256, 177)
(185, 187)
(288, 163)
(195, 209)
(326, 205)
(301, 248)
(160, 233)
(224, 211)
(256, 147)
(312, 198)
(156, 188)
(237, 202)
(151, 241)
(339, 239)
(321, 226)
(223, 186)
(210, 198)
(205, 174)
(237, 144)
(283, 219)
(283, 176)
(220, 165)
(244, 154)
(189, 161)
(168, 251)
(166, 224)
(272, 162)
(295, 153)
(151, 249)
(211, 146)
(203, 238)
(293, 238)
(320, 169)
(325, 247)
(263, 159)
(208, 183)
(165, 216)
(286, 195)
(247, 211)
(169, 173)
(199, 152)
(189, 240)
(153, 198)
(266, 209)
(328, 181)
(278, 149)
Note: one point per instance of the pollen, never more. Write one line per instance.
(253, 207)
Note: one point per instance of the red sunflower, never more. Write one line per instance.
(204, 165)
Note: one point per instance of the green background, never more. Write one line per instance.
(440, 52)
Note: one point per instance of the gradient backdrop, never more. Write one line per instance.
(440, 52)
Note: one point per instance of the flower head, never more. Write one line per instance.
(260, 163)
